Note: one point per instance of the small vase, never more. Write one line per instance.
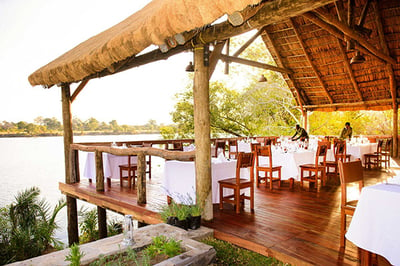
(195, 222)
(182, 224)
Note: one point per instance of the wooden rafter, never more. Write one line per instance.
(335, 32)
(247, 44)
(214, 57)
(355, 35)
(349, 70)
(386, 102)
(239, 17)
(254, 64)
(227, 46)
(303, 47)
(79, 89)
(301, 99)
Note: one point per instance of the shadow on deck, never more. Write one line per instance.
(294, 226)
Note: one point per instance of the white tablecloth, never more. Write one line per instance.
(291, 161)
(357, 151)
(375, 225)
(110, 165)
(179, 180)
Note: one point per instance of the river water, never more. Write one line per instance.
(39, 161)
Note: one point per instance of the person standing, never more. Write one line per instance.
(347, 131)
(301, 133)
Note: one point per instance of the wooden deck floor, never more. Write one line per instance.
(295, 226)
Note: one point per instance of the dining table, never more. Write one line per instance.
(111, 164)
(375, 225)
(179, 181)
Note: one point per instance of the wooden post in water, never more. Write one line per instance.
(141, 178)
(72, 213)
(202, 131)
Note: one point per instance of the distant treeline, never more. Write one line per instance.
(53, 127)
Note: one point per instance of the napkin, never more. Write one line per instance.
(221, 158)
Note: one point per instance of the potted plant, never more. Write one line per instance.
(169, 213)
(195, 216)
(182, 213)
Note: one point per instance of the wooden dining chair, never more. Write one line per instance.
(254, 146)
(349, 172)
(267, 167)
(220, 144)
(385, 153)
(374, 159)
(244, 160)
(233, 148)
(130, 176)
(339, 153)
(316, 170)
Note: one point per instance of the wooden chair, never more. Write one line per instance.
(254, 146)
(373, 159)
(220, 144)
(339, 151)
(148, 159)
(260, 140)
(244, 160)
(176, 146)
(131, 169)
(385, 153)
(268, 168)
(349, 172)
(316, 170)
(233, 148)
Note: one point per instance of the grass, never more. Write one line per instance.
(229, 254)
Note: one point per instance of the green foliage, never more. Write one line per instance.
(88, 225)
(229, 254)
(27, 227)
(162, 245)
(75, 255)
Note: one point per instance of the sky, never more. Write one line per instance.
(33, 33)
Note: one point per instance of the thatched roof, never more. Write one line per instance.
(151, 25)
(305, 37)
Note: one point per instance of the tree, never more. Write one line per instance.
(91, 124)
(52, 123)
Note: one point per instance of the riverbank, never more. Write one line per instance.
(81, 133)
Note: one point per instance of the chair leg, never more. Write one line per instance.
(270, 179)
(252, 198)
(120, 177)
(257, 179)
(301, 177)
(221, 196)
(279, 175)
(342, 228)
(237, 199)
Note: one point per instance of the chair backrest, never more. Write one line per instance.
(245, 160)
(340, 150)
(268, 141)
(350, 172)
(220, 144)
(322, 150)
(379, 147)
(254, 146)
(386, 147)
(264, 151)
(232, 143)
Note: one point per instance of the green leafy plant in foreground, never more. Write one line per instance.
(75, 255)
(164, 246)
(229, 254)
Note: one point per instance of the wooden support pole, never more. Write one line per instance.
(395, 152)
(72, 213)
(243, 61)
(202, 133)
(75, 176)
(79, 89)
(227, 44)
(102, 222)
(141, 178)
(99, 171)
(214, 57)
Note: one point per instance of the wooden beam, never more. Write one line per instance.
(349, 70)
(102, 222)
(239, 17)
(214, 57)
(391, 75)
(354, 104)
(72, 212)
(299, 97)
(303, 47)
(337, 33)
(356, 36)
(254, 64)
(247, 44)
(79, 89)
(227, 46)
(202, 134)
